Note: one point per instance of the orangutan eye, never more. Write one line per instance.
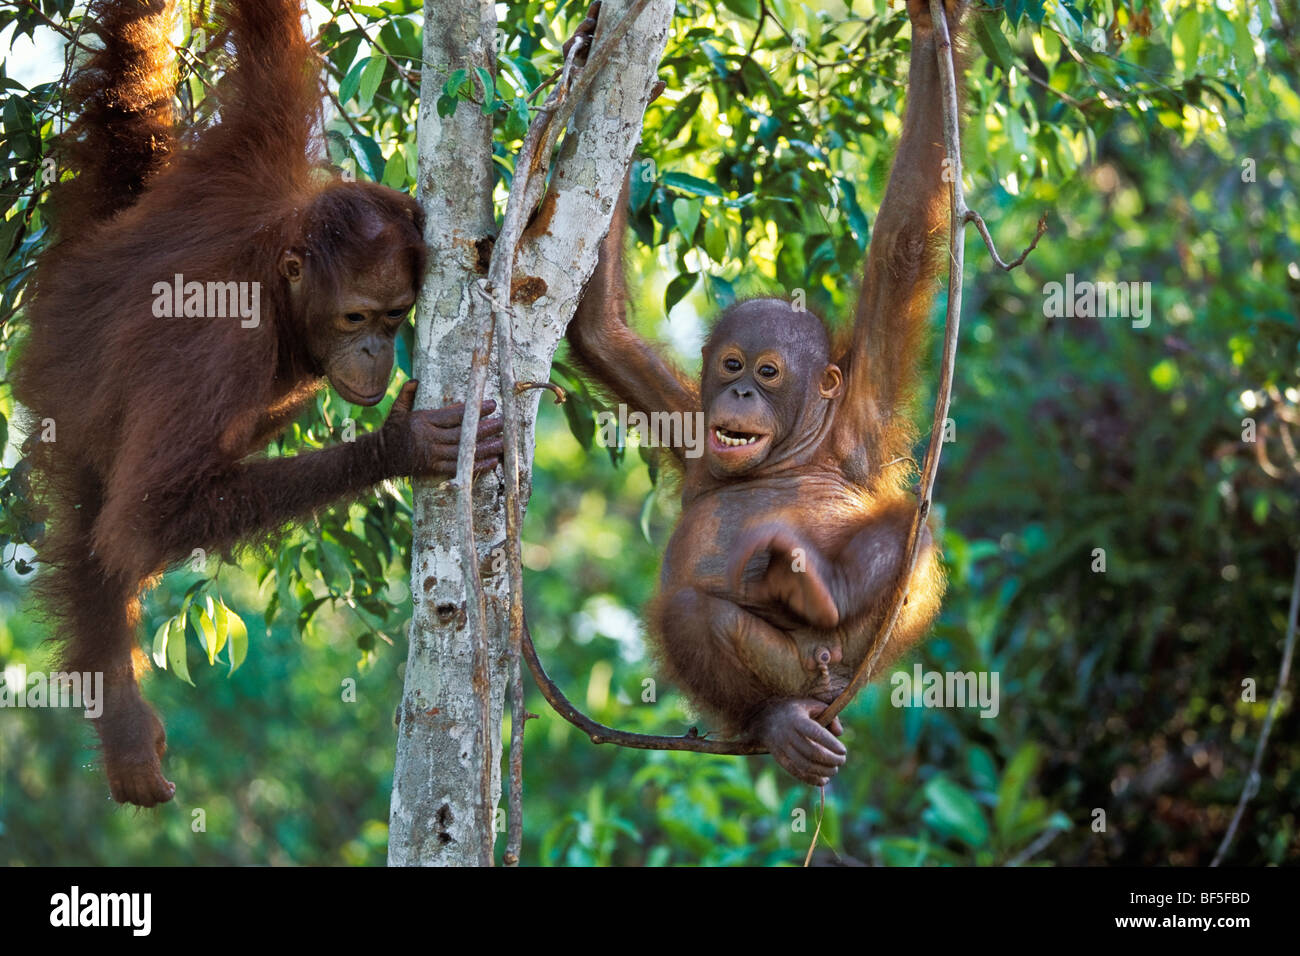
(767, 370)
(398, 313)
(355, 317)
(733, 364)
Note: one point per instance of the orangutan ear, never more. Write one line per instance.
(832, 382)
(291, 265)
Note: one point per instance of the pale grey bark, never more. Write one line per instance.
(438, 787)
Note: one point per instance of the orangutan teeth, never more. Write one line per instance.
(733, 442)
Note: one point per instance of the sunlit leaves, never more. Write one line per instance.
(213, 625)
(237, 633)
(368, 83)
(993, 42)
(169, 648)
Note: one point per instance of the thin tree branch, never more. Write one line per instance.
(758, 28)
(560, 395)
(598, 733)
(1251, 787)
(194, 63)
(356, 129)
(58, 28)
(1064, 97)
(973, 216)
(69, 60)
(817, 832)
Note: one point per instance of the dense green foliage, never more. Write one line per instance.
(1163, 139)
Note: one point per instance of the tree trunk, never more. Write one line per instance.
(445, 778)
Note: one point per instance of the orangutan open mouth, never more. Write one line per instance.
(734, 439)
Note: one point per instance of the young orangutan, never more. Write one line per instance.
(795, 520)
(148, 410)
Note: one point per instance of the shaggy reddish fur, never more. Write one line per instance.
(154, 416)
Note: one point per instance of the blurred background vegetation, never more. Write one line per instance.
(1163, 140)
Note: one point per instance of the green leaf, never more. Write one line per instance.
(368, 155)
(334, 566)
(518, 118)
(348, 88)
(853, 211)
(177, 663)
(641, 185)
(1188, 32)
(692, 184)
(1069, 26)
(489, 90)
(982, 769)
(715, 238)
(744, 8)
(1031, 819)
(578, 414)
(10, 231)
(410, 37)
(955, 812)
(395, 171)
(716, 59)
(1012, 789)
(530, 74)
(452, 87)
(238, 632)
(647, 508)
(160, 644)
(907, 851)
(687, 214)
(371, 75)
(308, 609)
(722, 290)
(360, 552)
(678, 288)
(201, 618)
(680, 115)
(994, 43)
(219, 636)
(221, 622)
